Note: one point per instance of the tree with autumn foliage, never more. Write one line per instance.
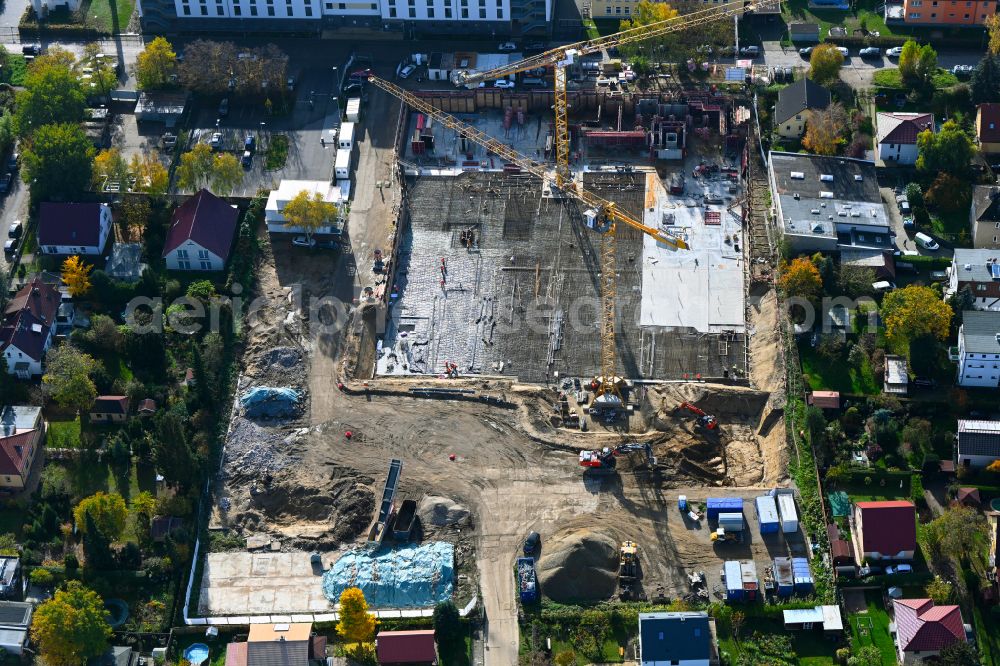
(825, 130)
(356, 624)
(76, 275)
(912, 312)
(801, 278)
(71, 627)
(308, 213)
(644, 14)
(825, 62)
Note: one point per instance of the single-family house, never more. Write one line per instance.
(332, 193)
(21, 433)
(109, 409)
(406, 647)
(896, 375)
(676, 638)
(978, 271)
(116, 655)
(29, 327)
(988, 127)
(73, 228)
(978, 351)
(10, 577)
(290, 644)
(827, 618)
(984, 217)
(201, 234)
(896, 135)
(923, 629)
(795, 104)
(884, 530)
(978, 443)
(15, 621)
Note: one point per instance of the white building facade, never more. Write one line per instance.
(978, 351)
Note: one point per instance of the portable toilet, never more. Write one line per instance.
(803, 576)
(733, 579)
(789, 517)
(784, 580)
(682, 502)
(717, 505)
(342, 167)
(345, 139)
(767, 515)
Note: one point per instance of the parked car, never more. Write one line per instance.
(5, 182)
(406, 71)
(899, 569)
(15, 229)
(843, 51)
(908, 224)
(31, 49)
(250, 143)
(503, 83)
(751, 51)
(224, 107)
(247, 159)
(883, 286)
(168, 140)
(962, 71)
(361, 74)
(903, 203)
(304, 241)
(806, 50)
(926, 242)
(507, 46)
(894, 52)
(327, 244)
(216, 141)
(870, 52)
(10, 247)
(531, 544)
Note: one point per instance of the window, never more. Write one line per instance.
(309, 11)
(500, 13)
(933, 14)
(187, 10)
(914, 15)
(253, 10)
(981, 287)
(482, 12)
(237, 10)
(916, 3)
(392, 12)
(182, 254)
(607, 10)
(341, 5)
(447, 12)
(184, 265)
(270, 11)
(618, 10)
(374, 6)
(204, 10)
(465, 13)
(430, 12)
(329, 6)
(413, 13)
(206, 265)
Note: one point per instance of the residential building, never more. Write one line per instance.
(406, 647)
(73, 228)
(116, 655)
(988, 127)
(795, 105)
(884, 530)
(109, 409)
(494, 18)
(978, 351)
(10, 577)
(201, 234)
(978, 443)
(896, 375)
(923, 629)
(286, 644)
(896, 135)
(334, 193)
(949, 13)
(676, 638)
(984, 217)
(22, 430)
(15, 620)
(28, 328)
(827, 618)
(828, 203)
(979, 271)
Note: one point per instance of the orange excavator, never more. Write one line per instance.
(606, 458)
(706, 421)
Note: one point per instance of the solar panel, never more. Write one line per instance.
(995, 271)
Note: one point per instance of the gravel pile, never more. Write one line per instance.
(277, 366)
(253, 452)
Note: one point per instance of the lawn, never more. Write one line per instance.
(277, 152)
(891, 78)
(109, 15)
(837, 374)
(810, 648)
(951, 226)
(64, 434)
(872, 628)
(88, 475)
(14, 70)
(609, 651)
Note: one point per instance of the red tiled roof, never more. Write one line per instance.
(36, 303)
(13, 461)
(236, 654)
(207, 220)
(69, 224)
(887, 527)
(147, 405)
(825, 399)
(989, 114)
(110, 404)
(902, 127)
(968, 495)
(923, 627)
(405, 647)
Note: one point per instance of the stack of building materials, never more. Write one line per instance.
(784, 579)
(717, 505)
(767, 514)
(803, 576)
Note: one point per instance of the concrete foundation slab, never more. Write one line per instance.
(262, 584)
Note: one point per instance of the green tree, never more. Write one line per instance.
(143, 508)
(308, 213)
(565, 658)
(8, 130)
(914, 311)
(226, 173)
(96, 547)
(939, 591)
(917, 64)
(58, 162)
(102, 76)
(447, 623)
(826, 129)
(155, 64)
(949, 150)
(958, 654)
(985, 83)
(825, 63)
(107, 510)
(957, 531)
(67, 377)
(52, 96)
(194, 167)
(869, 655)
(356, 624)
(72, 627)
(856, 281)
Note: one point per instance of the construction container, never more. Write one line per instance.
(404, 520)
(784, 578)
(733, 580)
(804, 583)
(767, 515)
(751, 586)
(527, 580)
(717, 505)
(345, 139)
(731, 522)
(342, 167)
(789, 517)
(354, 109)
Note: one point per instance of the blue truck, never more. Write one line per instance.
(527, 580)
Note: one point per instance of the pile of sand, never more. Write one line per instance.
(579, 565)
(441, 511)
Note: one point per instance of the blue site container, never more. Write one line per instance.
(717, 505)
(767, 515)
(734, 581)
(804, 583)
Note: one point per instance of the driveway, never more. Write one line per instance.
(904, 238)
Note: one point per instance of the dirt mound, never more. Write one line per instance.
(727, 403)
(579, 565)
(441, 511)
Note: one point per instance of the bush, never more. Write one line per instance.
(42, 577)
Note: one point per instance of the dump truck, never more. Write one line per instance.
(527, 580)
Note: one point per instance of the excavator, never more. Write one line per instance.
(607, 458)
(705, 420)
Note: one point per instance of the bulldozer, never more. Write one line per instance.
(628, 561)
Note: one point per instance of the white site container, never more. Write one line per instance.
(789, 517)
(354, 109)
(346, 137)
(342, 167)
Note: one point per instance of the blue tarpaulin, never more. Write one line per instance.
(402, 577)
(269, 402)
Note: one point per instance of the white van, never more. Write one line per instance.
(926, 242)
(883, 286)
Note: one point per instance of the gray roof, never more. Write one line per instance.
(124, 263)
(21, 417)
(278, 653)
(801, 95)
(8, 569)
(979, 438)
(804, 29)
(977, 261)
(15, 614)
(986, 203)
(981, 331)
(674, 636)
(117, 655)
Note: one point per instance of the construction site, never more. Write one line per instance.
(457, 411)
